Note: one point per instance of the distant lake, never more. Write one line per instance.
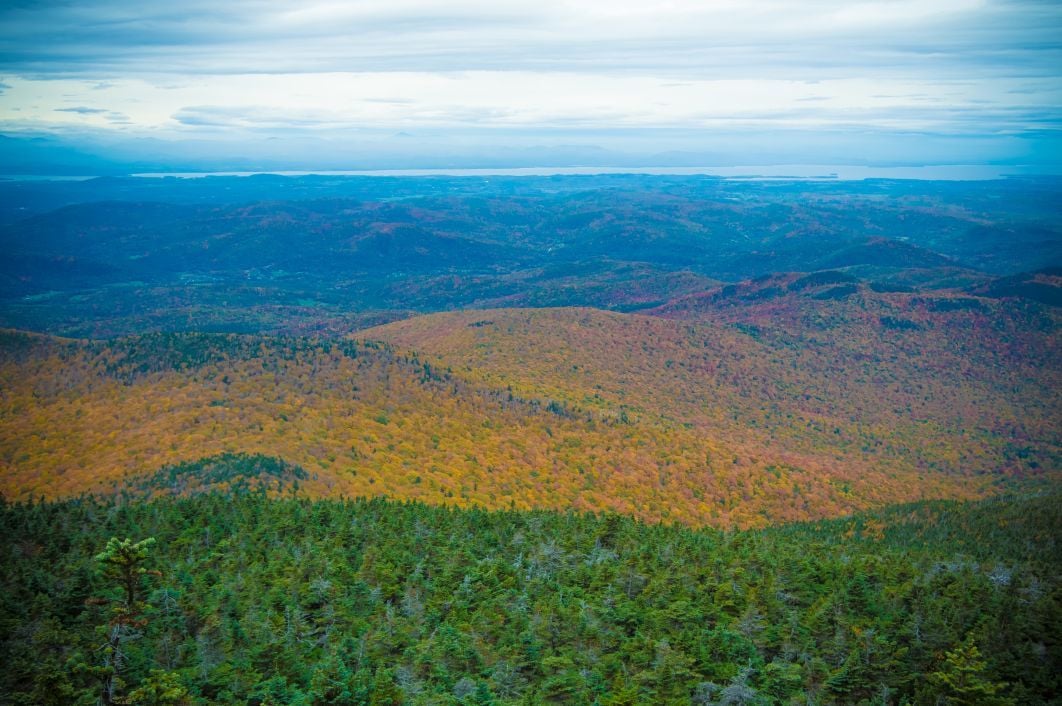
(958, 172)
(810, 172)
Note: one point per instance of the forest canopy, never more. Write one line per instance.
(242, 599)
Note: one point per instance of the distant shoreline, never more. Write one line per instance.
(784, 172)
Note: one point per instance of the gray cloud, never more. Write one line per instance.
(946, 67)
(81, 110)
(811, 39)
(254, 117)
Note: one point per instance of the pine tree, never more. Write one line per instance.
(123, 562)
(963, 679)
(159, 689)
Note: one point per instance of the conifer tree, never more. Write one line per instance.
(962, 679)
(123, 563)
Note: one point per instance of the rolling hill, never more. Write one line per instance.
(332, 255)
(968, 391)
(697, 421)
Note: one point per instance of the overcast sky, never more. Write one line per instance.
(939, 80)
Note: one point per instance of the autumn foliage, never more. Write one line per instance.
(696, 422)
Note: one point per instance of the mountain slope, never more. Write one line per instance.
(363, 419)
(856, 390)
(787, 397)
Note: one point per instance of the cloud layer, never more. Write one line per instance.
(244, 69)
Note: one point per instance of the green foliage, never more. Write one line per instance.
(236, 473)
(159, 689)
(123, 561)
(123, 564)
(963, 679)
(292, 601)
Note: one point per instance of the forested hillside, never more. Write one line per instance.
(566, 408)
(248, 600)
(334, 254)
(881, 381)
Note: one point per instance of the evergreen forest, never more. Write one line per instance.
(243, 598)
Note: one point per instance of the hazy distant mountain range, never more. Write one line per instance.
(268, 253)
